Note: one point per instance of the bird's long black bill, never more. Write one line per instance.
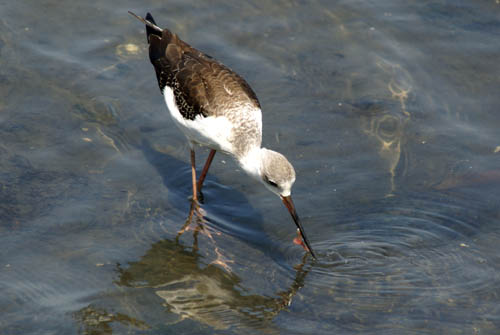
(291, 208)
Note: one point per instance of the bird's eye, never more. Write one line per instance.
(270, 182)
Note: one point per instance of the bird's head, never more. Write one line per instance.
(278, 176)
(276, 173)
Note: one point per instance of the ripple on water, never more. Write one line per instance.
(422, 247)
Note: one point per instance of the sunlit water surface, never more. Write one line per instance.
(388, 111)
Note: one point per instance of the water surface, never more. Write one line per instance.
(387, 110)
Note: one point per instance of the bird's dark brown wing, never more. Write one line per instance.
(201, 85)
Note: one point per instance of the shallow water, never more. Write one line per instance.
(387, 110)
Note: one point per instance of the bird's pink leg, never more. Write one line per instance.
(205, 169)
(193, 175)
(195, 206)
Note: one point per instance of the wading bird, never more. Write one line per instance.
(214, 107)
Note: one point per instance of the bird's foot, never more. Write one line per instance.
(300, 241)
(197, 218)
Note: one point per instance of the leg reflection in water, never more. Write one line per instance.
(196, 217)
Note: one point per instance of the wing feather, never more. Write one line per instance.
(202, 85)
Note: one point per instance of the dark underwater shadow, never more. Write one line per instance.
(226, 210)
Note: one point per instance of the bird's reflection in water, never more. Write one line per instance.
(95, 321)
(208, 294)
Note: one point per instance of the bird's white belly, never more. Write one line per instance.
(213, 132)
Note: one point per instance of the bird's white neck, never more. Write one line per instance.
(251, 162)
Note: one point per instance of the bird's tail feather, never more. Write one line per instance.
(151, 27)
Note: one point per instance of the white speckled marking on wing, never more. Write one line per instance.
(214, 132)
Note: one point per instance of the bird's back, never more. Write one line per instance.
(204, 87)
(201, 84)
